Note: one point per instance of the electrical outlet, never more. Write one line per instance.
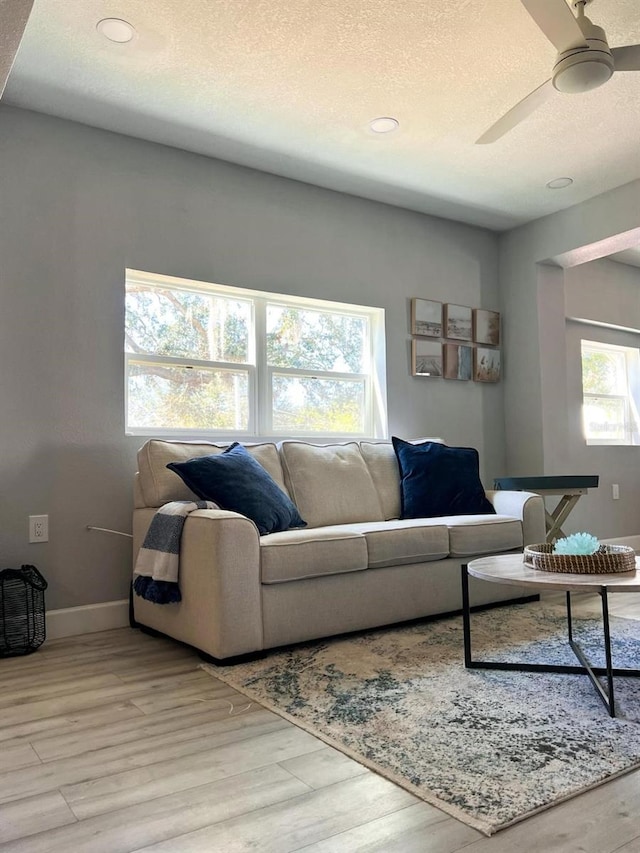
(38, 528)
(615, 491)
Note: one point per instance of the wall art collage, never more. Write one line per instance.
(454, 342)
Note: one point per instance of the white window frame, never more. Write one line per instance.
(631, 362)
(260, 426)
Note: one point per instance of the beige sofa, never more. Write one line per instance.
(355, 565)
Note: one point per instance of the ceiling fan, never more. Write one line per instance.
(584, 59)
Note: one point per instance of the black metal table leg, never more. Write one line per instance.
(607, 649)
(606, 694)
(609, 671)
(466, 616)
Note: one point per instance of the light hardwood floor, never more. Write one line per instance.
(117, 742)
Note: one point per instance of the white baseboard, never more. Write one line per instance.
(87, 619)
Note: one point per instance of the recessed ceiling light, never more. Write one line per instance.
(115, 29)
(559, 183)
(385, 124)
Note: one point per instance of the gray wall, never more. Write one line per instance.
(543, 400)
(603, 292)
(534, 306)
(77, 207)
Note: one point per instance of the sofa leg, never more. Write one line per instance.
(144, 629)
(509, 602)
(132, 618)
(246, 658)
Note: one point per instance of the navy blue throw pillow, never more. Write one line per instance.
(237, 482)
(439, 480)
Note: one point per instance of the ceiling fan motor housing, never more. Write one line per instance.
(580, 69)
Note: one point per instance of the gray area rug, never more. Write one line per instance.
(489, 748)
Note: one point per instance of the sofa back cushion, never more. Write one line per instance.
(382, 463)
(330, 484)
(159, 485)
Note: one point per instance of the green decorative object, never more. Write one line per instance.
(577, 543)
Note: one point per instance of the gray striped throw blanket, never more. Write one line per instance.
(158, 564)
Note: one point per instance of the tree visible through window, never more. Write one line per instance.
(208, 358)
(301, 340)
(608, 406)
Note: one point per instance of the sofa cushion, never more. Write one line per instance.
(382, 463)
(237, 482)
(159, 485)
(438, 480)
(298, 554)
(330, 484)
(482, 534)
(393, 543)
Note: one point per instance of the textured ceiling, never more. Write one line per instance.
(289, 86)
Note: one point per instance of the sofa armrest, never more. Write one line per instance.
(220, 612)
(526, 506)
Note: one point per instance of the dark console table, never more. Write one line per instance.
(571, 488)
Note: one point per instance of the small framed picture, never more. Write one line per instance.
(458, 361)
(426, 318)
(486, 327)
(426, 358)
(458, 322)
(486, 364)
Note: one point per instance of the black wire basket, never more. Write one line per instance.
(22, 614)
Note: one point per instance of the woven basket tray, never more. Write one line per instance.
(608, 559)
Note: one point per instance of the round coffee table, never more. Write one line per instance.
(510, 569)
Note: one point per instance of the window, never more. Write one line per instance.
(609, 374)
(229, 362)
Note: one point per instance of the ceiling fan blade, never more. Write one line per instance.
(556, 21)
(627, 58)
(516, 114)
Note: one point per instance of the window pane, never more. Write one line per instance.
(603, 372)
(604, 418)
(162, 396)
(186, 325)
(321, 405)
(315, 340)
